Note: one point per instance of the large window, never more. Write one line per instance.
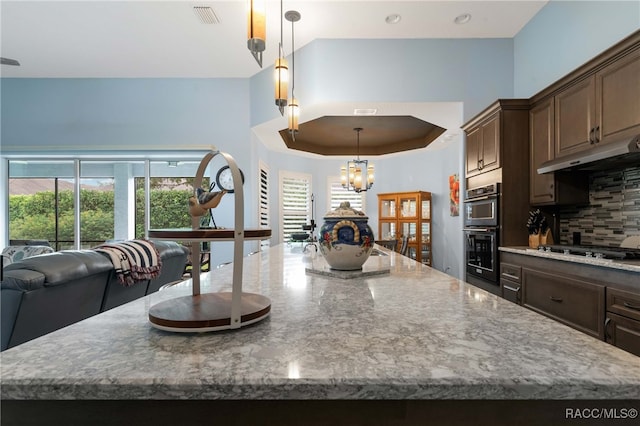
(295, 203)
(83, 203)
(41, 202)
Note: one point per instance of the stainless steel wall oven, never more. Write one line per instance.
(481, 229)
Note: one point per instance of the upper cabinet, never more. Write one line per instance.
(483, 146)
(497, 142)
(601, 108)
(550, 188)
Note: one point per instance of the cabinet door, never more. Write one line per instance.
(408, 206)
(387, 206)
(387, 230)
(618, 99)
(473, 152)
(490, 145)
(623, 332)
(541, 187)
(575, 117)
(574, 302)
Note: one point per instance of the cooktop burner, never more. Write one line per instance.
(599, 252)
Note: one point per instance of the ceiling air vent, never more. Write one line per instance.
(206, 15)
(365, 111)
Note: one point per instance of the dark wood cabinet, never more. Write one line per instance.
(599, 301)
(511, 282)
(550, 188)
(602, 108)
(483, 146)
(497, 145)
(575, 302)
(574, 117)
(618, 99)
(622, 326)
(596, 104)
(542, 144)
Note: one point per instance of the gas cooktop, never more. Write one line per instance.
(599, 252)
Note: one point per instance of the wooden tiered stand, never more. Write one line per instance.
(212, 311)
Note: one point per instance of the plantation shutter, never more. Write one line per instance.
(295, 207)
(338, 194)
(263, 210)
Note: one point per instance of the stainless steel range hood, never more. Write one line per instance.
(612, 155)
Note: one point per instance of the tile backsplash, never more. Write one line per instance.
(612, 214)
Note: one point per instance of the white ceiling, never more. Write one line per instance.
(139, 38)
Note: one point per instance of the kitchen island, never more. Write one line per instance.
(413, 334)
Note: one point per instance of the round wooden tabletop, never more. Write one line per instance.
(207, 312)
(206, 234)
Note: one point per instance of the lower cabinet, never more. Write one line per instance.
(510, 282)
(622, 326)
(601, 302)
(574, 302)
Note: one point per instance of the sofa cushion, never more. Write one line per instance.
(23, 280)
(168, 249)
(63, 266)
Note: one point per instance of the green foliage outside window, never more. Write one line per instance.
(34, 216)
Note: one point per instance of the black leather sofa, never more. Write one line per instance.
(43, 293)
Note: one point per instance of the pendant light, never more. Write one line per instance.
(281, 73)
(294, 110)
(358, 175)
(256, 28)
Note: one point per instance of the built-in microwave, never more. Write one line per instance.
(481, 206)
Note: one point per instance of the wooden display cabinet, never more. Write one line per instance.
(407, 214)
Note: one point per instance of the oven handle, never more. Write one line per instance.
(485, 197)
(477, 229)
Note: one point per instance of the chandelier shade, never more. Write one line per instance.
(357, 175)
(256, 28)
(293, 16)
(282, 83)
(281, 72)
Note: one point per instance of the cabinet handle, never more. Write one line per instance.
(481, 164)
(508, 287)
(513, 277)
(630, 306)
(555, 299)
(596, 139)
(591, 135)
(607, 336)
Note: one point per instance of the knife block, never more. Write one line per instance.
(540, 239)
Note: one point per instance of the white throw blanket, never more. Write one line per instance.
(133, 260)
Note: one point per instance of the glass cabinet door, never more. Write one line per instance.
(426, 232)
(426, 209)
(408, 206)
(388, 207)
(409, 230)
(388, 230)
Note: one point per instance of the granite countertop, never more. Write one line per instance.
(412, 333)
(625, 265)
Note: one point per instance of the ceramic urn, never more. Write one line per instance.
(345, 238)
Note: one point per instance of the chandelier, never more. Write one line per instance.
(358, 174)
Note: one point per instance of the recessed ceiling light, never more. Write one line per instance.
(394, 18)
(462, 19)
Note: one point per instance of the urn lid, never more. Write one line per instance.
(345, 211)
